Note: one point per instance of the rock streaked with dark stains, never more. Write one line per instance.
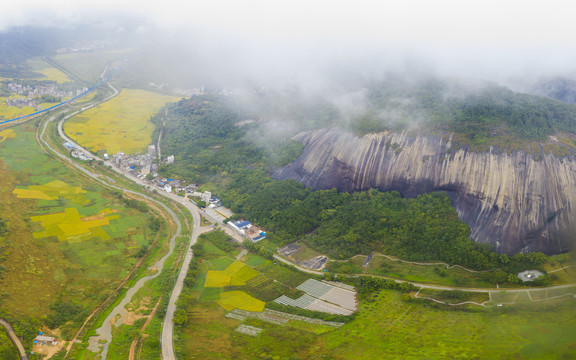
(512, 202)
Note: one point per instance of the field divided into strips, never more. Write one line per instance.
(324, 297)
(47, 71)
(69, 225)
(121, 124)
(89, 65)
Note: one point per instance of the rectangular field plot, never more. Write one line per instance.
(343, 298)
(315, 288)
(323, 296)
(258, 282)
(236, 274)
(69, 225)
(240, 300)
(323, 306)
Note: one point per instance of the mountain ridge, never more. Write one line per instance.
(514, 202)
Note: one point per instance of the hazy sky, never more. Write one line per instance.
(490, 36)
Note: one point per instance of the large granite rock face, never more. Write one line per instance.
(510, 201)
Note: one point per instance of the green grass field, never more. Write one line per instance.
(388, 327)
(121, 124)
(433, 274)
(89, 65)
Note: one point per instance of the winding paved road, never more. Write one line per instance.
(167, 329)
(168, 326)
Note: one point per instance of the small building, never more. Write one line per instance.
(206, 196)
(45, 340)
(152, 150)
(240, 225)
(170, 159)
(261, 237)
(168, 188)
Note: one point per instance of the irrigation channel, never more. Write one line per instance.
(103, 339)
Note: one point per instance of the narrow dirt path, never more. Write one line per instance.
(15, 339)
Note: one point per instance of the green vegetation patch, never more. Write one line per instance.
(255, 260)
(221, 263)
(211, 293)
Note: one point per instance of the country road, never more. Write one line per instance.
(167, 329)
(15, 339)
(168, 326)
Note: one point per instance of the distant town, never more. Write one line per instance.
(33, 96)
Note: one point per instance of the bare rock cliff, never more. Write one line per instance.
(512, 202)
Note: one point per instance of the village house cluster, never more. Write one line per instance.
(29, 95)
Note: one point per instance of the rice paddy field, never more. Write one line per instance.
(227, 299)
(10, 112)
(47, 71)
(69, 240)
(121, 124)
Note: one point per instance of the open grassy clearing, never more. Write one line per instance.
(121, 124)
(388, 327)
(432, 274)
(49, 269)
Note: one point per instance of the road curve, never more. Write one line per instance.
(168, 325)
(15, 339)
